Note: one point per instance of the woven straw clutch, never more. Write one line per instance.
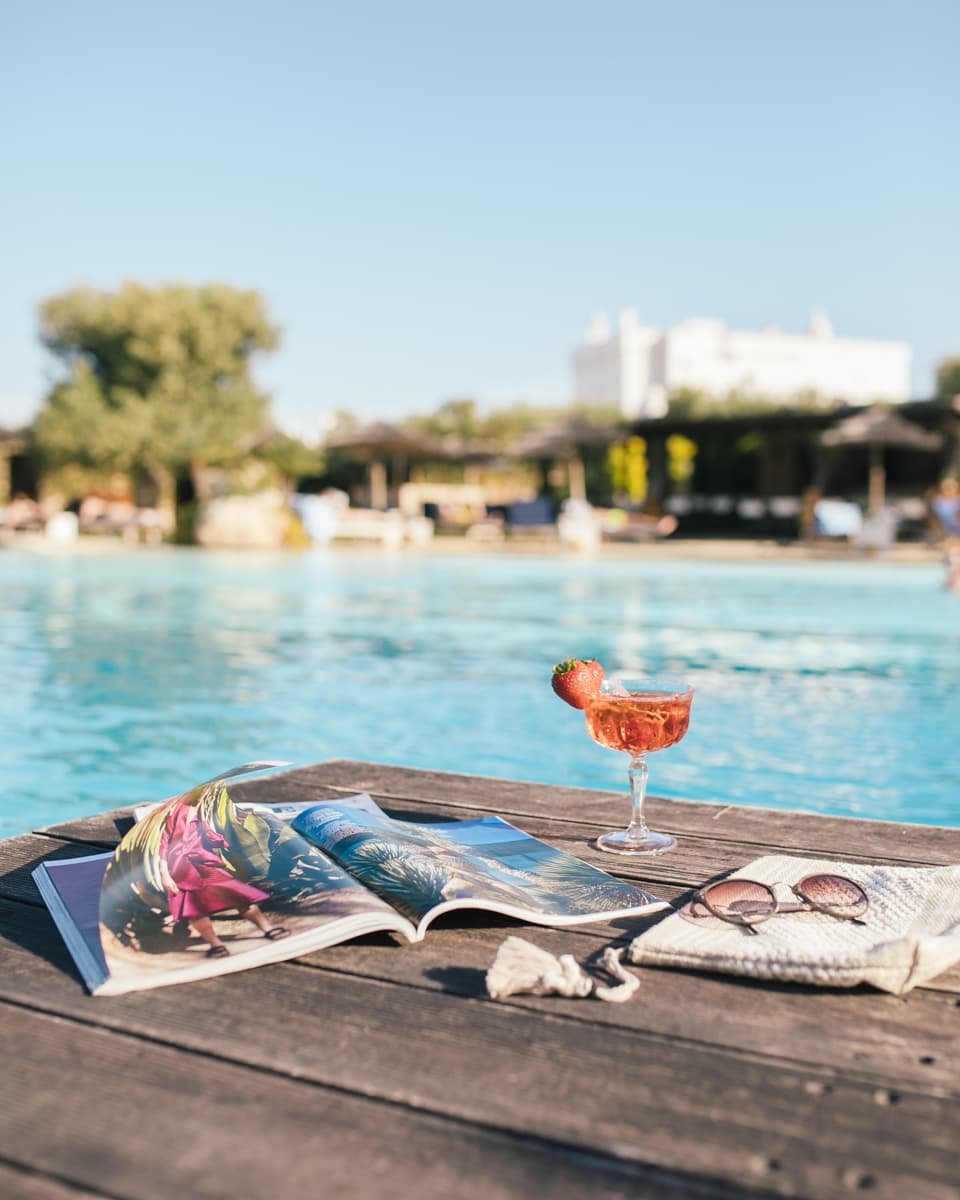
(911, 931)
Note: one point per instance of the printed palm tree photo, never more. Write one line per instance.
(198, 878)
(419, 866)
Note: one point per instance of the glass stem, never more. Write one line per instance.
(637, 774)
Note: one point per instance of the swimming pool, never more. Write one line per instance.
(831, 687)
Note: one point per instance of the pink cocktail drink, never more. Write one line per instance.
(638, 722)
(638, 717)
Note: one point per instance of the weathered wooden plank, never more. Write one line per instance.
(624, 1092)
(750, 831)
(102, 829)
(864, 1035)
(20, 855)
(669, 877)
(146, 1121)
(692, 863)
(17, 1184)
(707, 847)
(694, 860)
(763, 827)
(463, 945)
(711, 1046)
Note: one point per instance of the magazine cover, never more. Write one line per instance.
(199, 882)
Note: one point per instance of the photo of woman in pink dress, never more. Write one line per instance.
(197, 882)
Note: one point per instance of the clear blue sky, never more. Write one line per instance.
(434, 197)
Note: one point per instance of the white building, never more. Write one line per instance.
(637, 366)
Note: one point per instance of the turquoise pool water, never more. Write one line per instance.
(830, 687)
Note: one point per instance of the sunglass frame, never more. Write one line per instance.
(748, 922)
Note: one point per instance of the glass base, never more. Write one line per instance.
(623, 843)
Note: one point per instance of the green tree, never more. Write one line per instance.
(157, 379)
(501, 427)
(692, 404)
(455, 417)
(291, 456)
(948, 377)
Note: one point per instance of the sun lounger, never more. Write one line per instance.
(878, 531)
(836, 519)
(532, 518)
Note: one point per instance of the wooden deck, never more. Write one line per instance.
(377, 1069)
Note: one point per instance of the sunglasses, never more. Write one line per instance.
(746, 903)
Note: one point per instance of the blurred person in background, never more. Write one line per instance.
(945, 507)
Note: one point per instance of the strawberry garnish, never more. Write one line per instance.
(577, 680)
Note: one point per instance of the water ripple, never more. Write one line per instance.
(827, 687)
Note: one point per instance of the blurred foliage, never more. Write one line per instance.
(727, 466)
(691, 403)
(291, 457)
(158, 379)
(948, 377)
(681, 456)
(629, 469)
(501, 427)
(456, 417)
(343, 421)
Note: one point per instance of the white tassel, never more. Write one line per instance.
(628, 982)
(522, 968)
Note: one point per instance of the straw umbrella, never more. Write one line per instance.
(375, 443)
(877, 428)
(567, 440)
(468, 452)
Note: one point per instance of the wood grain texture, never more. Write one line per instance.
(700, 1086)
(620, 1092)
(155, 1122)
(19, 1184)
(877, 1039)
(760, 827)
(20, 855)
(695, 860)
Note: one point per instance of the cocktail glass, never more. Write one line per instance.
(638, 716)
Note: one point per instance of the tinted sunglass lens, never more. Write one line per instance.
(740, 900)
(834, 894)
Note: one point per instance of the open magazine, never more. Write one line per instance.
(202, 887)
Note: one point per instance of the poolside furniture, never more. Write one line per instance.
(21, 515)
(532, 518)
(579, 525)
(836, 519)
(880, 428)
(376, 1064)
(388, 528)
(328, 517)
(878, 531)
(62, 529)
(453, 507)
(621, 525)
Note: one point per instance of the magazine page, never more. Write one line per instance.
(424, 870)
(286, 810)
(200, 888)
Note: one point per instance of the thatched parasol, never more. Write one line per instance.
(376, 442)
(566, 440)
(455, 448)
(877, 428)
